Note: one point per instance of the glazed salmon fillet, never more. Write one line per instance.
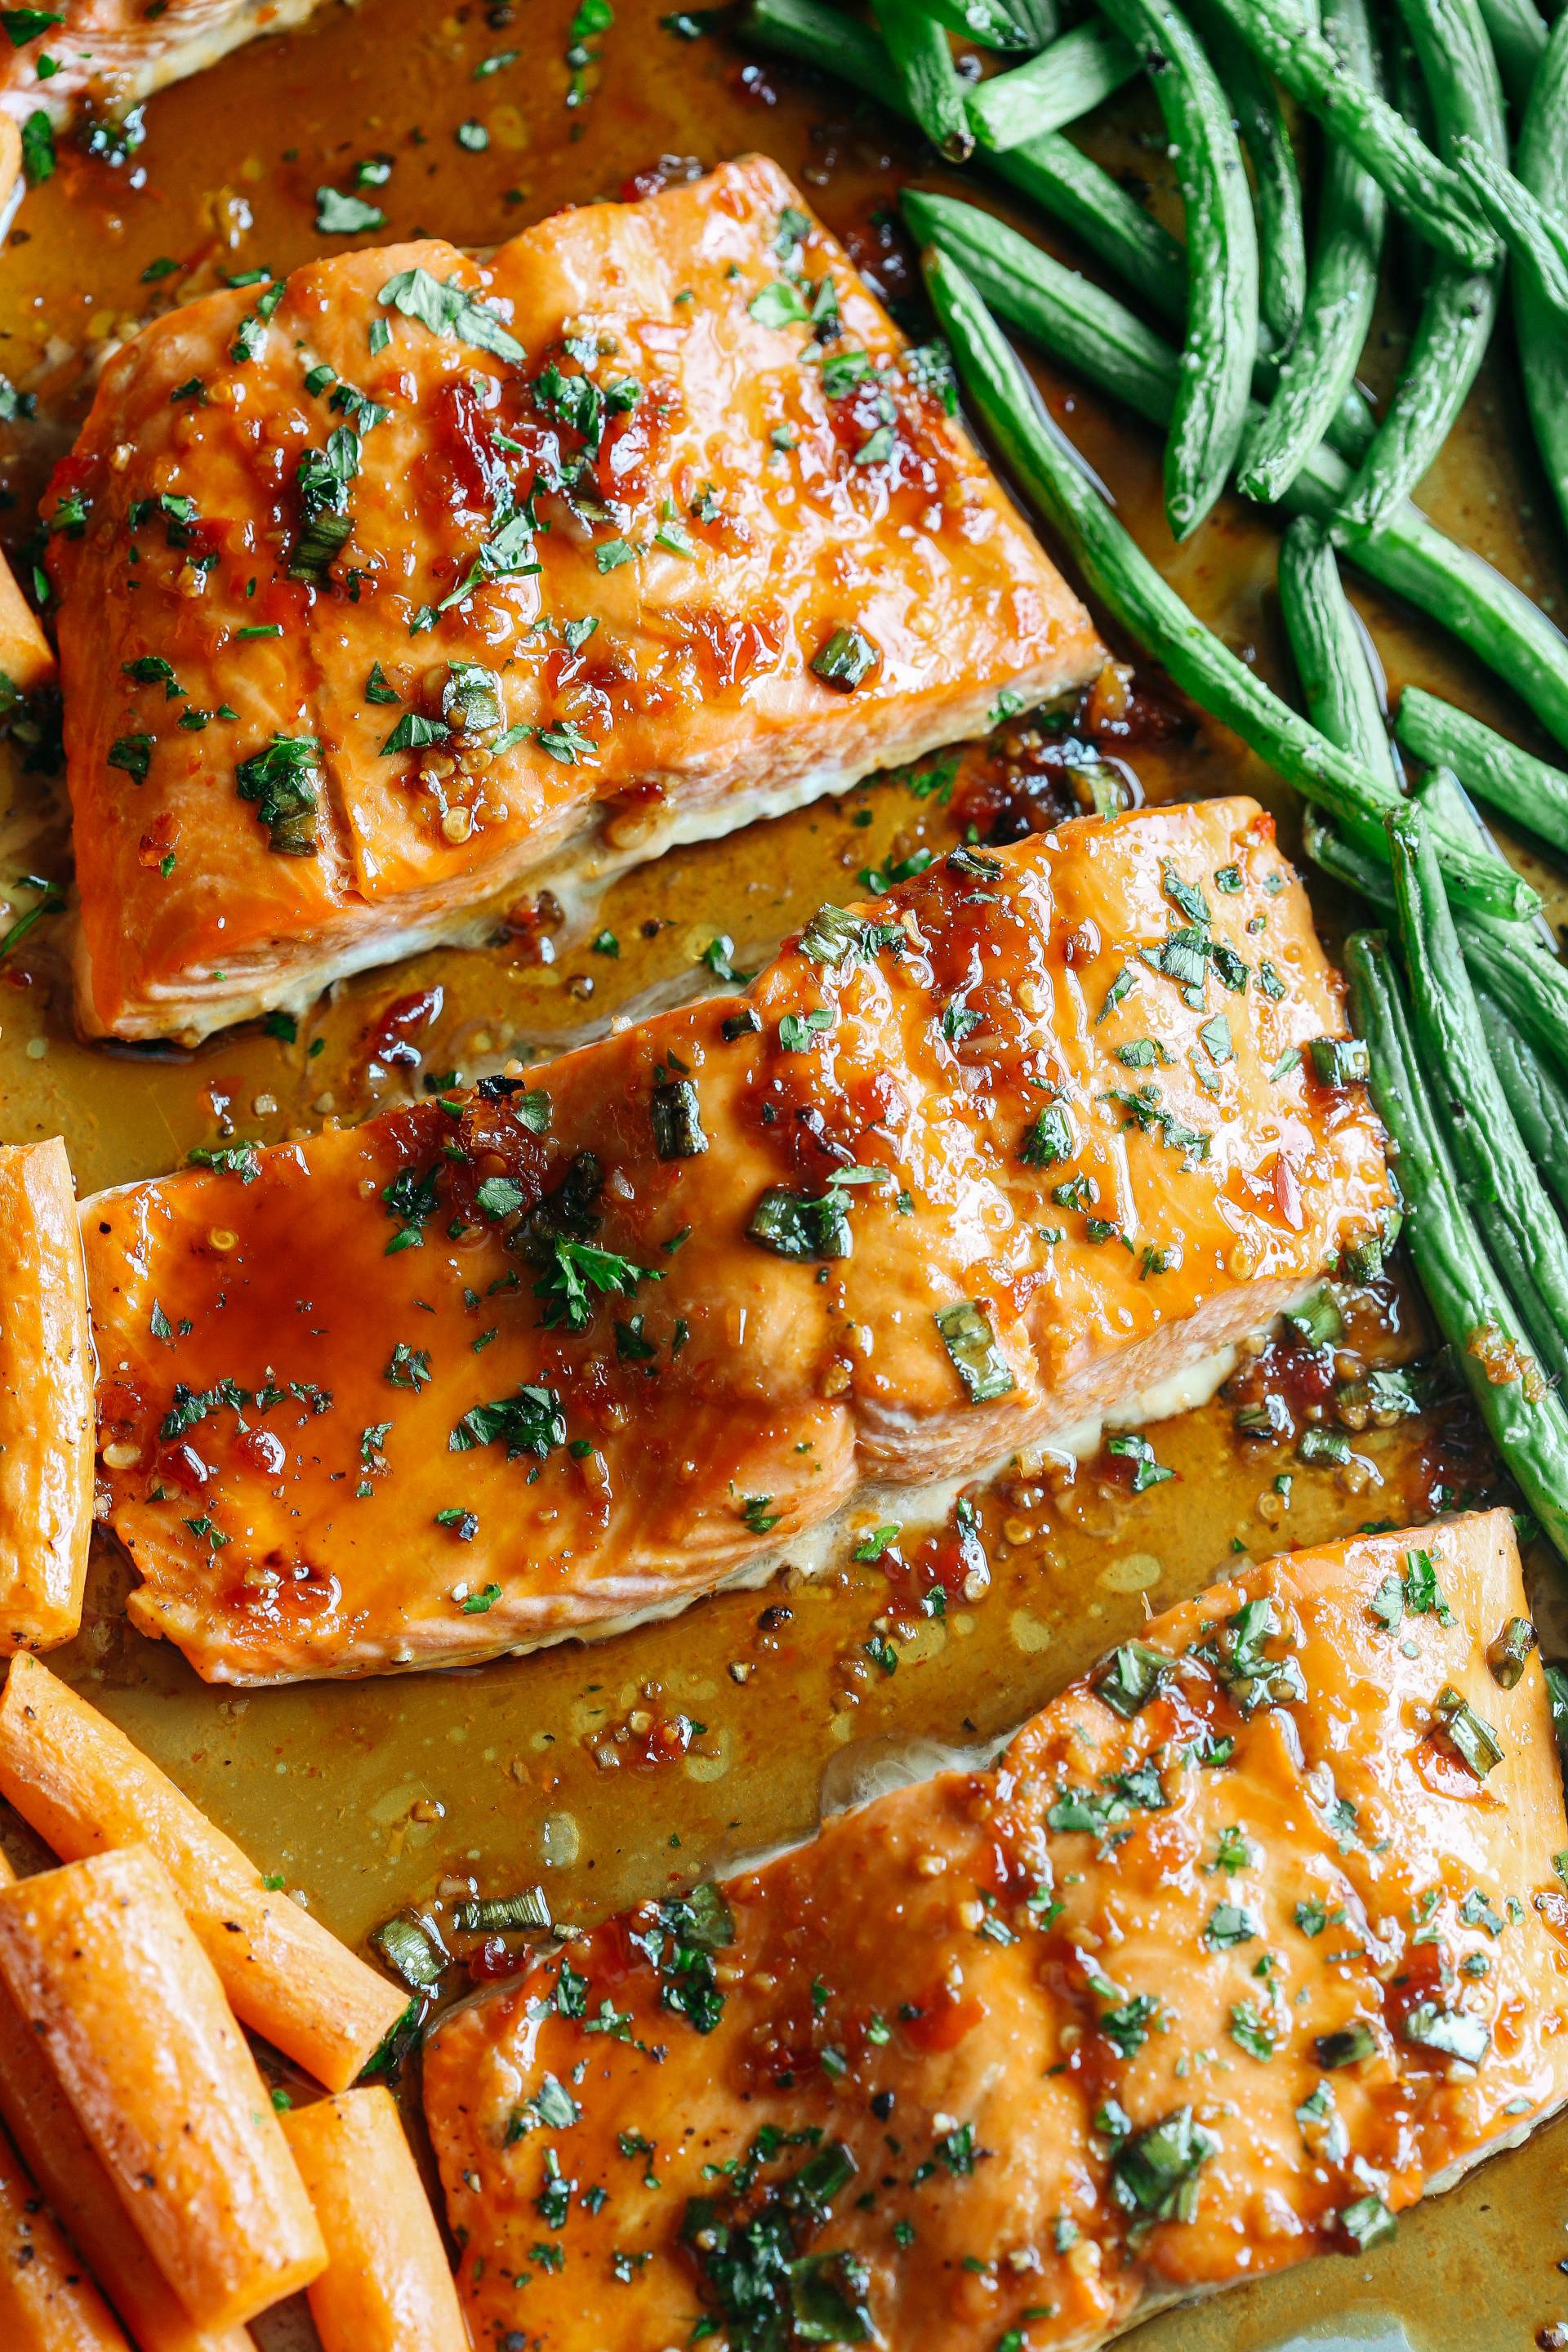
(109, 55)
(387, 586)
(1252, 1938)
(996, 1154)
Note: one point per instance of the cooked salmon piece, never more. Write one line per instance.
(390, 584)
(107, 55)
(993, 1155)
(1254, 1935)
(45, 1401)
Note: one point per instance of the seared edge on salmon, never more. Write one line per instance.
(388, 585)
(970, 1164)
(1252, 1936)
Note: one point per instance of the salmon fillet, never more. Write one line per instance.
(970, 1163)
(1253, 1937)
(109, 55)
(369, 611)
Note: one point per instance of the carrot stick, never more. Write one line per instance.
(82, 2196)
(46, 1391)
(85, 1789)
(47, 2303)
(129, 2010)
(387, 2287)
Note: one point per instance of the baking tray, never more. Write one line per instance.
(366, 1795)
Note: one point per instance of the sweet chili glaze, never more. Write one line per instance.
(971, 1163)
(1180, 1993)
(656, 506)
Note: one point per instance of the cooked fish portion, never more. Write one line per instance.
(1252, 1938)
(968, 1164)
(112, 54)
(391, 584)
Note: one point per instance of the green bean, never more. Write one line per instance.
(1041, 19)
(1059, 86)
(926, 77)
(1528, 790)
(1539, 243)
(1221, 342)
(1461, 591)
(1507, 1199)
(1459, 306)
(1048, 170)
(1417, 182)
(1329, 645)
(1275, 182)
(1536, 1095)
(1056, 307)
(989, 22)
(1532, 986)
(1319, 370)
(1407, 90)
(1355, 869)
(1518, 33)
(1128, 584)
(1540, 160)
(1525, 1421)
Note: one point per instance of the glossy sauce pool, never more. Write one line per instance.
(610, 1773)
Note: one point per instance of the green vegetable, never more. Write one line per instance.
(1329, 649)
(925, 77)
(1422, 188)
(1472, 1735)
(1088, 329)
(1368, 2223)
(1346, 2047)
(1526, 1422)
(966, 1333)
(1508, 1653)
(1541, 160)
(1130, 1677)
(281, 781)
(1276, 183)
(1065, 81)
(408, 1949)
(1214, 384)
(989, 22)
(1509, 1203)
(1537, 1096)
(845, 659)
(1155, 2172)
(1459, 304)
(1134, 593)
(1518, 42)
(1530, 791)
(1319, 368)
(678, 1130)
(502, 1914)
(1048, 169)
(802, 1225)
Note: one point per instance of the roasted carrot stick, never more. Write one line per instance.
(47, 2303)
(84, 1788)
(111, 1980)
(82, 2196)
(45, 1388)
(387, 2287)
